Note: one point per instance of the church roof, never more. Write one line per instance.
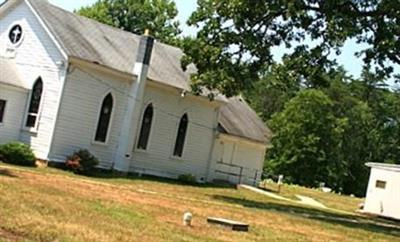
(237, 118)
(9, 73)
(101, 44)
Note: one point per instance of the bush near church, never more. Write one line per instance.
(17, 154)
(81, 162)
(188, 179)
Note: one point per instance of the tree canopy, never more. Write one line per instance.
(137, 15)
(307, 141)
(328, 133)
(233, 46)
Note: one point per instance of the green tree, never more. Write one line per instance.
(269, 94)
(387, 113)
(307, 141)
(359, 139)
(385, 105)
(137, 15)
(233, 45)
(368, 118)
(283, 81)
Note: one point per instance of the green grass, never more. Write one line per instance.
(330, 200)
(54, 205)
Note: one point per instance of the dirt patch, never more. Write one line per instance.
(7, 173)
(41, 163)
(10, 236)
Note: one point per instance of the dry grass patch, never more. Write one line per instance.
(331, 200)
(49, 205)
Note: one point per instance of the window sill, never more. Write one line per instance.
(176, 158)
(98, 143)
(30, 130)
(141, 151)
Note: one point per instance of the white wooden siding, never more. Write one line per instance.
(35, 56)
(15, 106)
(78, 120)
(78, 117)
(239, 153)
(169, 107)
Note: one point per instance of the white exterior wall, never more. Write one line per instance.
(35, 57)
(78, 119)
(169, 107)
(79, 111)
(384, 202)
(15, 98)
(239, 153)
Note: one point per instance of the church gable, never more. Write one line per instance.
(24, 39)
(26, 44)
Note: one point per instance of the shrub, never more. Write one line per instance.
(81, 162)
(17, 154)
(188, 179)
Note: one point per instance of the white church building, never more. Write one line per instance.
(70, 83)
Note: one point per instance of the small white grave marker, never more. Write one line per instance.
(280, 182)
(187, 219)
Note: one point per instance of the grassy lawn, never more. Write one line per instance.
(52, 205)
(330, 200)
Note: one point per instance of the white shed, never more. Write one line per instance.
(383, 193)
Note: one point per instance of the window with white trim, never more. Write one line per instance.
(2, 110)
(104, 119)
(32, 117)
(146, 128)
(181, 136)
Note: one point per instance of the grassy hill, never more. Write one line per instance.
(53, 205)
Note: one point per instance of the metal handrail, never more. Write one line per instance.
(240, 175)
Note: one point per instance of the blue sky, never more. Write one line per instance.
(352, 64)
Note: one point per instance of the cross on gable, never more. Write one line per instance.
(15, 34)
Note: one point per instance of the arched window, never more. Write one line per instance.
(104, 119)
(146, 127)
(34, 104)
(2, 109)
(181, 136)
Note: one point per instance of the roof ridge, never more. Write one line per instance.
(75, 15)
(95, 22)
(106, 25)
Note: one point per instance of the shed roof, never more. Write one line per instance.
(9, 73)
(239, 119)
(384, 166)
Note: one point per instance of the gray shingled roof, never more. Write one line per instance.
(9, 73)
(98, 43)
(94, 42)
(237, 118)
